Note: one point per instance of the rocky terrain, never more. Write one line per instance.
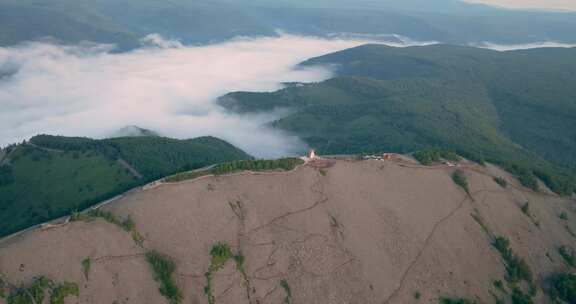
(370, 231)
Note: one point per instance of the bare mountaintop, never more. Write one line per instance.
(358, 232)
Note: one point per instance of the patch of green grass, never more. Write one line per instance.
(61, 291)
(219, 255)
(288, 298)
(86, 265)
(460, 179)
(163, 269)
(501, 181)
(563, 216)
(568, 255)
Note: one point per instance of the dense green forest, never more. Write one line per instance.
(516, 108)
(51, 176)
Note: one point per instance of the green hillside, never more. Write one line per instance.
(513, 107)
(51, 176)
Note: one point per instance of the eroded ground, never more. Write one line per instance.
(358, 232)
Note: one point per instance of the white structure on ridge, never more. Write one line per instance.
(312, 154)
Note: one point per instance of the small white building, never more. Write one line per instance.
(312, 154)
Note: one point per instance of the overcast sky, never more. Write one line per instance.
(532, 4)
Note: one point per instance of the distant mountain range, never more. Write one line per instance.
(515, 108)
(125, 22)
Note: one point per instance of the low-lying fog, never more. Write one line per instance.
(168, 88)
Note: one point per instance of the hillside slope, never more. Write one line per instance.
(51, 176)
(358, 232)
(508, 107)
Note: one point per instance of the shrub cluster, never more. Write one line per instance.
(526, 208)
(219, 255)
(185, 176)
(568, 255)
(36, 292)
(163, 268)
(61, 291)
(287, 290)
(518, 297)
(459, 179)
(456, 301)
(127, 224)
(558, 183)
(430, 156)
(86, 265)
(516, 267)
(563, 287)
(284, 164)
(501, 181)
(524, 175)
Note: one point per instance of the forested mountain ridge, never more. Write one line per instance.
(51, 176)
(125, 22)
(514, 107)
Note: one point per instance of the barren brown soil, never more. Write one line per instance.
(358, 232)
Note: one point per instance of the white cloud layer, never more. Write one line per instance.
(526, 46)
(557, 5)
(165, 87)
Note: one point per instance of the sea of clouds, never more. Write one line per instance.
(169, 88)
(87, 90)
